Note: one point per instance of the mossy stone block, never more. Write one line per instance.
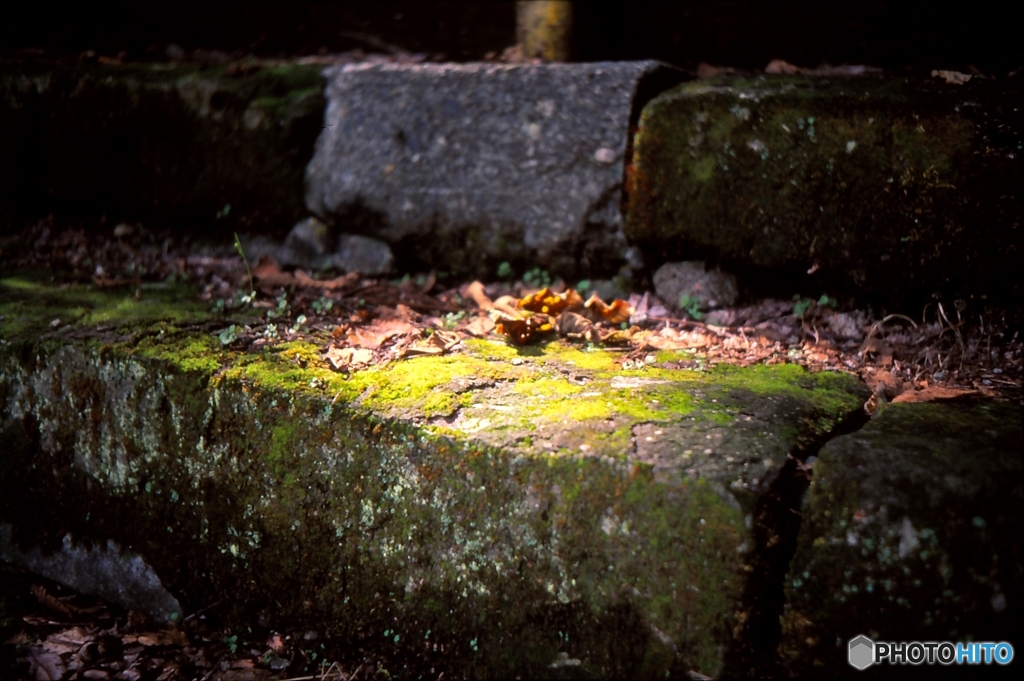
(895, 187)
(911, 532)
(510, 504)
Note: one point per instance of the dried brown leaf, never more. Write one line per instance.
(475, 292)
(936, 393)
(266, 266)
(526, 329)
(674, 339)
(275, 643)
(44, 665)
(39, 591)
(508, 306)
(438, 343)
(342, 359)
(621, 336)
(616, 313)
(269, 274)
(576, 327)
(480, 326)
(547, 302)
(952, 77)
(779, 66)
(379, 331)
(887, 382)
(168, 637)
(107, 282)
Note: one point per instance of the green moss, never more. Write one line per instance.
(195, 354)
(547, 387)
(573, 355)
(32, 305)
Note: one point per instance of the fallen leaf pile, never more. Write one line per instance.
(63, 635)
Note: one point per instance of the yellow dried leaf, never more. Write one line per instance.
(523, 330)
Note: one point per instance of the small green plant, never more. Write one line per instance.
(322, 305)
(300, 320)
(504, 270)
(232, 642)
(223, 212)
(228, 335)
(241, 252)
(800, 305)
(583, 286)
(537, 278)
(691, 306)
(282, 307)
(451, 320)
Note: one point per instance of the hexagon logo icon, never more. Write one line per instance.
(861, 652)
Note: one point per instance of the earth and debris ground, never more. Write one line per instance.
(941, 352)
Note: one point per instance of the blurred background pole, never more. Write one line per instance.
(544, 28)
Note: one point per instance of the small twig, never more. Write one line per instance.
(874, 327)
(199, 612)
(959, 338)
(238, 247)
(693, 322)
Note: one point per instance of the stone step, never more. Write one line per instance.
(514, 505)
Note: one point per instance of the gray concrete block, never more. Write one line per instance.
(474, 164)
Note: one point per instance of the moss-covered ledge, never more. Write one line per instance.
(505, 504)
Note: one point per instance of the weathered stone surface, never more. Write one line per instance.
(912, 531)
(517, 506)
(709, 288)
(308, 243)
(165, 146)
(475, 164)
(364, 255)
(891, 186)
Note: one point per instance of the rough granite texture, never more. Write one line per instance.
(912, 531)
(474, 164)
(510, 504)
(894, 187)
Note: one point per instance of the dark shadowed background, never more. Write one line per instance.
(742, 33)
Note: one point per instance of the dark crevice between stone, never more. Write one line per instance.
(776, 526)
(648, 87)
